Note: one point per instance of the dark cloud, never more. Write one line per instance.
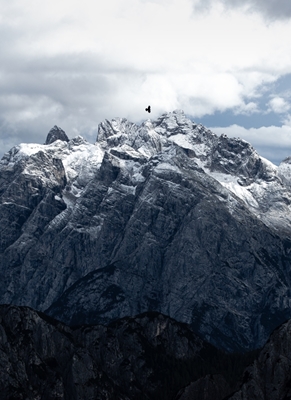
(270, 9)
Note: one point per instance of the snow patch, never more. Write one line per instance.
(230, 182)
(182, 141)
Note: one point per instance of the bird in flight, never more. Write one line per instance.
(148, 109)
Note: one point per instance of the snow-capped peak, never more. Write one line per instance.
(232, 162)
(80, 159)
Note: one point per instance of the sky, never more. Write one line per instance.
(226, 63)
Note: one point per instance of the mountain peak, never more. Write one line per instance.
(56, 133)
(163, 216)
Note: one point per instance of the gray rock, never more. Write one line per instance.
(56, 133)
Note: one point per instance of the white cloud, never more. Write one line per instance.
(279, 105)
(75, 63)
(247, 108)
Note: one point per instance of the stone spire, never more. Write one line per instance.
(56, 133)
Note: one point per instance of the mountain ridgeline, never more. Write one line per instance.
(164, 217)
(146, 357)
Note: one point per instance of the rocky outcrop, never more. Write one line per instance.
(56, 133)
(165, 216)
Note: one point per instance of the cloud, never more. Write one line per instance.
(247, 108)
(279, 105)
(75, 63)
(270, 9)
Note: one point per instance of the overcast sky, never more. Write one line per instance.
(226, 63)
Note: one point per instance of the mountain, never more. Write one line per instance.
(164, 216)
(148, 357)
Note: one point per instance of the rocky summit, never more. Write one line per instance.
(164, 216)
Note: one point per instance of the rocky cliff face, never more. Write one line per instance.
(165, 216)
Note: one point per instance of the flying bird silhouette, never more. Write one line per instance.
(148, 109)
